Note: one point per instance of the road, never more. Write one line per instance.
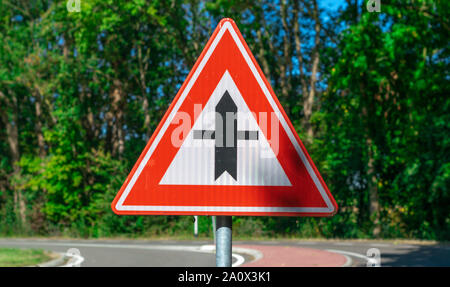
(190, 253)
(391, 253)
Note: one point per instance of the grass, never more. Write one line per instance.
(14, 257)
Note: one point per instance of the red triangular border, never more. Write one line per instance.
(124, 203)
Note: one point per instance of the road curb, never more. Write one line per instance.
(256, 254)
(349, 261)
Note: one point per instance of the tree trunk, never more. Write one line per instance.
(285, 67)
(89, 120)
(90, 116)
(38, 123)
(368, 116)
(298, 49)
(374, 205)
(143, 65)
(262, 58)
(117, 112)
(12, 134)
(309, 100)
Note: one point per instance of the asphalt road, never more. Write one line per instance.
(391, 253)
(188, 253)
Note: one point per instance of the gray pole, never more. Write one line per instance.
(214, 228)
(195, 225)
(223, 241)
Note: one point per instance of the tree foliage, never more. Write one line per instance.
(81, 93)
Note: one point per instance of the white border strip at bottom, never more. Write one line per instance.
(226, 209)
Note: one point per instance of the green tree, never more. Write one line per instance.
(386, 120)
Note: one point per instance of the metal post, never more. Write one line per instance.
(195, 225)
(223, 241)
(214, 228)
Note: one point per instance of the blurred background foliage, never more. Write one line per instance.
(81, 93)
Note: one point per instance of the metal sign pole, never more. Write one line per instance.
(195, 225)
(223, 241)
(214, 228)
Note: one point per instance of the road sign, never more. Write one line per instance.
(225, 146)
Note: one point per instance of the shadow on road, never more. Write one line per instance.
(418, 255)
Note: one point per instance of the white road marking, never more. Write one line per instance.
(256, 254)
(348, 262)
(201, 249)
(350, 254)
(239, 260)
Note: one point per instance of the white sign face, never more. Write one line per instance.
(195, 161)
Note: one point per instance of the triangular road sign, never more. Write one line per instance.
(225, 146)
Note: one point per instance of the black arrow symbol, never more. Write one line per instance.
(226, 135)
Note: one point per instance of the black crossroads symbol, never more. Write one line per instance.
(226, 136)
